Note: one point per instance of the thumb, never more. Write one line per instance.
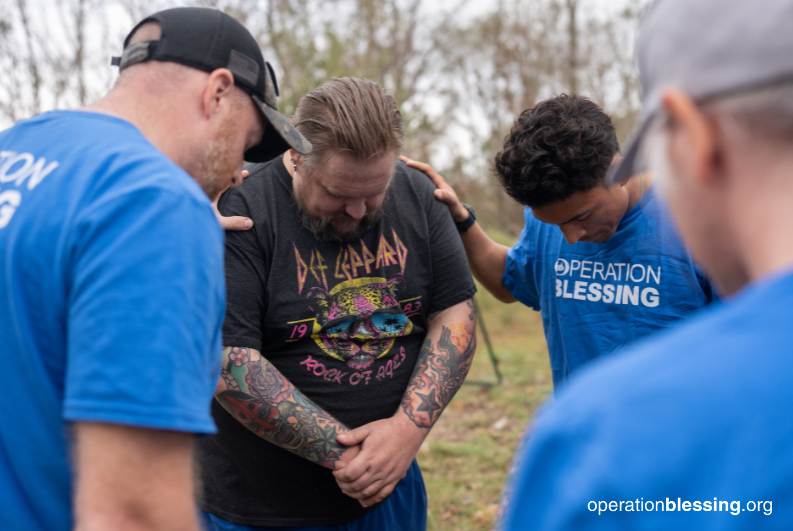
(444, 196)
(353, 437)
(235, 223)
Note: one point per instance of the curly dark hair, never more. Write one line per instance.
(558, 147)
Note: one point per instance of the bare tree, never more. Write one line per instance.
(32, 63)
(53, 60)
(388, 41)
(571, 7)
(460, 80)
(519, 52)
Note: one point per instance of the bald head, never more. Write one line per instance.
(761, 118)
(198, 118)
(150, 31)
(156, 75)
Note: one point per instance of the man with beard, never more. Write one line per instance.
(112, 292)
(349, 328)
(691, 429)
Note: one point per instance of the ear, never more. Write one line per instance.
(693, 138)
(218, 88)
(293, 156)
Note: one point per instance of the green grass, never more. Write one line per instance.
(467, 455)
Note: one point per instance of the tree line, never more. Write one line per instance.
(460, 70)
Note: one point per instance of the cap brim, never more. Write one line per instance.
(628, 164)
(279, 135)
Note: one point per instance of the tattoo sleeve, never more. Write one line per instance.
(442, 364)
(265, 402)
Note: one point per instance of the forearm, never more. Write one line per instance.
(487, 260)
(442, 365)
(120, 480)
(265, 402)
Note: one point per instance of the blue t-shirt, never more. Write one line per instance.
(698, 415)
(597, 297)
(111, 300)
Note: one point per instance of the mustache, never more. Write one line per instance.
(322, 227)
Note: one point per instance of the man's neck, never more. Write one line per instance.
(147, 120)
(636, 187)
(286, 158)
(762, 225)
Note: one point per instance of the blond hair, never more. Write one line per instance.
(352, 115)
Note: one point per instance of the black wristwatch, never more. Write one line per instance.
(466, 224)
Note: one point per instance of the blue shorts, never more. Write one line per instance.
(404, 510)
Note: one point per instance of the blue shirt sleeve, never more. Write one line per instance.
(519, 268)
(145, 308)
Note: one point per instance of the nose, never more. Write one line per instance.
(572, 233)
(355, 209)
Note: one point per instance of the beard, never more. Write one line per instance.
(338, 228)
(217, 167)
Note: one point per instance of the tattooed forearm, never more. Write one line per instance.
(266, 403)
(440, 369)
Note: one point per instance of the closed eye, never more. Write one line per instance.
(331, 194)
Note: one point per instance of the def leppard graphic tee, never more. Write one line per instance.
(343, 321)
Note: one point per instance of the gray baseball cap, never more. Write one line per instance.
(707, 49)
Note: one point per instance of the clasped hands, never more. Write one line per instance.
(378, 457)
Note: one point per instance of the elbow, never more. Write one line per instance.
(498, 291)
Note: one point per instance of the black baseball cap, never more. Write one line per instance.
(208, 39)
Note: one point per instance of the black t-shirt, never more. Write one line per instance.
(344, 322)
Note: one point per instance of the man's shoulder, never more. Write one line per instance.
(263, 171)
(266, 185)
(152, 181)
(92, 159)
(535, 226)
(412, 181)
(85, 135)
(537, 236)
(656, 225)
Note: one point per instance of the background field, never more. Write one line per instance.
(466, 458)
